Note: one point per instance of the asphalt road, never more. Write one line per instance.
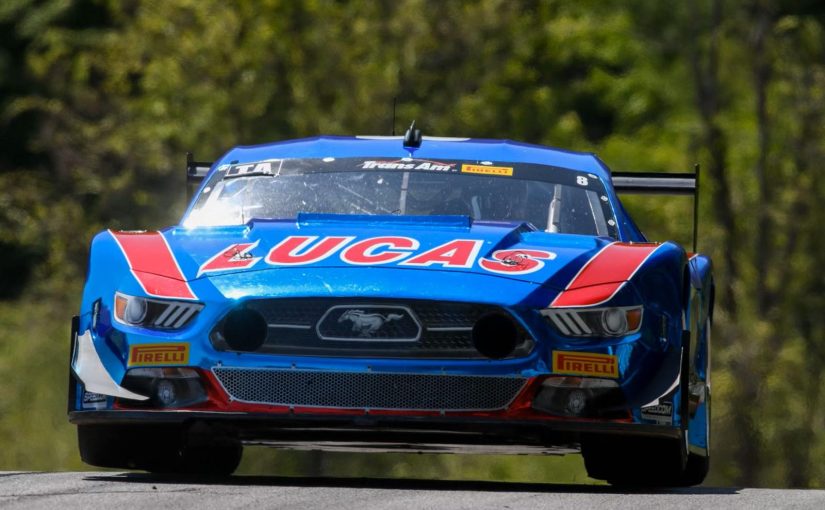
(66, 491)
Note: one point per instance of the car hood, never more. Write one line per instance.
(430, 245)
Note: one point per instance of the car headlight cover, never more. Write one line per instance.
(595, 322)
(154, 313)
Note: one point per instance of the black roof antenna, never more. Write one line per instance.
(412, 138)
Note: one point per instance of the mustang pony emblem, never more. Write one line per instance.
(366, 324)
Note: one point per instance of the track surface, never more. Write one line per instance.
(136, 491)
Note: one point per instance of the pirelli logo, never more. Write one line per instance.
(159, 354)
(585, 363)
(487, 170)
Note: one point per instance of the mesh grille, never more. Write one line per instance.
(440, 315)
(369, 390)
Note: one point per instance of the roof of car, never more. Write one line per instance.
(431, 148)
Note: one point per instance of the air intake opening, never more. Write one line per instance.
(244, 330)
(495, 336)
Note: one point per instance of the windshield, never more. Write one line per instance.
(551, 199)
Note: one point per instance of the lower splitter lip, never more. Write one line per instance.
(367, 428)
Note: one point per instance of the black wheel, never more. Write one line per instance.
(696, 470)
(158, 449)
(698, 465)
(635, 461)
(646, 461)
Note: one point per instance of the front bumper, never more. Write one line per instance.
(514, 428)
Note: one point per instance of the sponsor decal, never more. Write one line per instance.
(487, 170)
(379, 250)
(234, 256)
(516, 261)
(409, 164)
(299, 250)
(457, 253)
(262, 168)
(661, 413)
(93, 400)
(153, 265)
(604, 275)
(585, 363)
(159, 354)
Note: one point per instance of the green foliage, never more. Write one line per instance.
(100, 99)
(34, 352)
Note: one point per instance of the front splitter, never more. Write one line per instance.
(385, 433)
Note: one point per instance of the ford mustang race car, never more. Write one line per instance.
(407, 293)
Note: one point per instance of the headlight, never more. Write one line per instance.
(595, 322)
(154, 313)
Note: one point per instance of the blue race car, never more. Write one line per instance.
(399, 294)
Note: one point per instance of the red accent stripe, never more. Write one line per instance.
(153, 264)
(604, 274)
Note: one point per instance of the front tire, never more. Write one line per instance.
(696, 470)
(636, 461)
(649, 462)
(698, 464)
(157, 449)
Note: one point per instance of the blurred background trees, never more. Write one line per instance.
(100, 99)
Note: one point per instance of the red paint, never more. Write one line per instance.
(585, 296)
(604, 274)
(153, 264)
(297, 250)
(379, 250)
(457, 253)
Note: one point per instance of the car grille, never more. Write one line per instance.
(423, 392)
(424, 329)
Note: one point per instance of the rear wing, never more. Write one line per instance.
(652, 183)
(196, 170)
(195, 174)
